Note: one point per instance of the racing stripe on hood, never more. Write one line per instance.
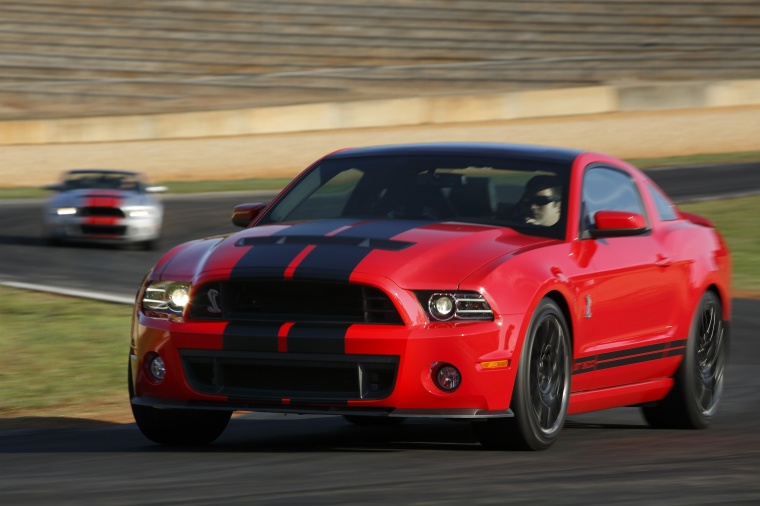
(272, 257)
(289, 253)
(337, 261)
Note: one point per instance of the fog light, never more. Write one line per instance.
(446, 377)
(155, 367)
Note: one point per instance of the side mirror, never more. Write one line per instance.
(618, 224)
(244, 214)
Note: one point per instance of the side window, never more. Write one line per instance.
(606, 189)
(666, 210)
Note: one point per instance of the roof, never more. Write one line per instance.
(519, 151)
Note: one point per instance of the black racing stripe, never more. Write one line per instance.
(309, 338)
(384, 244)
(633, 351)
(584, 365)
(627, 357)
(331, 262)
(338, 261)
(627, 361)
(270, 258)
(246, 336)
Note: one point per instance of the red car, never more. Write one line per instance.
(507, 285)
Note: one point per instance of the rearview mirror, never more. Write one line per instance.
(618, 224)
(244, 214)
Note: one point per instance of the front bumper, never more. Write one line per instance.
(380, 370)
(126, 230)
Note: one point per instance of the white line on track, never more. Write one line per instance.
(83, 294)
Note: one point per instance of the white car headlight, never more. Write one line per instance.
(66, 211)
(444, 306)
(139, 212)
(166, 298)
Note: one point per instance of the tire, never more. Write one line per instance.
(698, 383)
(542, 387)
(374, 421)
(178, 427)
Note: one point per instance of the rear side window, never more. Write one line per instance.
(666, 210)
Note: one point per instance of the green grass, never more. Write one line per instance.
(62, 354)
(737, 221)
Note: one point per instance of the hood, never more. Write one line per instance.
(414, 254)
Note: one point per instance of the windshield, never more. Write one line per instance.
(528, 196)
(101, 181)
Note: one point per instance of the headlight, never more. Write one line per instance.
(139, 212)
(166, 297)
(66, 211)
(445, 306)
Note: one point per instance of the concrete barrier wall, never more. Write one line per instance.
(385, 113)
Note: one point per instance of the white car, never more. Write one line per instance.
(103, 206)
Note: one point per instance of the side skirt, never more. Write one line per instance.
(615, 397)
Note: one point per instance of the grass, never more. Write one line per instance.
(737, 221)
(73, 360)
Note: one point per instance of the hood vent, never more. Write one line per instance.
(320, 240)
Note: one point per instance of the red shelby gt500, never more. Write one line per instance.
(508, 285)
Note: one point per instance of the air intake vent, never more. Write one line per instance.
(293, 301)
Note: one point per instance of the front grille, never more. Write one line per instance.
(272, 377)
(293, 301)
(108, 212)
(104, 230)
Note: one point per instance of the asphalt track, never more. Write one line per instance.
(609, 457)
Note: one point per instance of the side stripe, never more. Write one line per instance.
(630, 356)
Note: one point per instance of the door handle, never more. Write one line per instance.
(663, 261)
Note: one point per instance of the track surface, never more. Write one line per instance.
(605, 457)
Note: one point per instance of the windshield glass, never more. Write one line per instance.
(528, 196)
(82, 180)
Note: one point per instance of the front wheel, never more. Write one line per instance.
(181, 427)
(542, 387)
(698, 385)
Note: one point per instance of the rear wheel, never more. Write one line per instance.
(542, 387)
(698, 387)
(181, 427)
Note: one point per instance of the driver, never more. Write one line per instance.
(542, 201)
